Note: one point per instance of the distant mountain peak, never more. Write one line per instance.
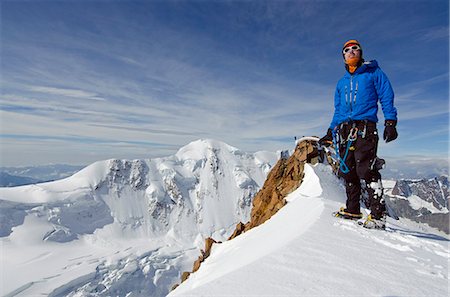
(199, 149)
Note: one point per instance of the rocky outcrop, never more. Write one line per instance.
(204, 254)
(284, 178)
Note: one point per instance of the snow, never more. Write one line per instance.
(418, 203)
(415, 202)
(121, 227)
(238, 253)
(304, 138)
(131, 227)
(34, 267)
(73, 186)
(304, 251)
(389, 184)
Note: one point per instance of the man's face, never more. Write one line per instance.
(352, 52)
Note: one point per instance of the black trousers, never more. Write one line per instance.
(361, 161)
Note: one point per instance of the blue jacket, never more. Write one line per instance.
(357, 95)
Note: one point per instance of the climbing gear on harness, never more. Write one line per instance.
(342, 166)
(358, 129)
(353, 134)
(350, 139)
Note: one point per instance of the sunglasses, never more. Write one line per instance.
(354, 47)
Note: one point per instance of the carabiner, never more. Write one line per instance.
(353, 134)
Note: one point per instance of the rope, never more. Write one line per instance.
(342, 166)
(351, 138)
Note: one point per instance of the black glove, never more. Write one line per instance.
(390, 133)
(327, 140)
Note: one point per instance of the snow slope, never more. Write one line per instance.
(124, 227)
(304, 251)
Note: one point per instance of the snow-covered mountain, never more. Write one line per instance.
(434, 193)
(304, 251)
(131, 227)
(424, 200)
(8, 180)
(18, 176)
(122, 226)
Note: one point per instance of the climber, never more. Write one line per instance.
(354, 130)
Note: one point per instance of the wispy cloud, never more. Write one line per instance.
(77, 139)
(254, 74)
(80, 94)
(419, 99)
(435, 34)
(416, 166)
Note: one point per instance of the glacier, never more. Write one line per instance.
(121, 227)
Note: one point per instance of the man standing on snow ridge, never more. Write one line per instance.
(354, 128)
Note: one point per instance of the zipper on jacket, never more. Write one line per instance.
(347, 101)
(352, 94)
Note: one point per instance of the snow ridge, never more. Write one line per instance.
(316, 254)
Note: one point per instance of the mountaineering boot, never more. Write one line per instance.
(372, 223)
(344, 214)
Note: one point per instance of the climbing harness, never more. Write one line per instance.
(342, 166)
(352, 136)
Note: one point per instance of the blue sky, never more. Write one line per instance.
(91, 80)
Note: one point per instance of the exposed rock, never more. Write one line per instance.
(208, 246)
(284, 178)
(204, 254)
(423, 201)
(126, 172)
(240, 228)
(434, 191)
(197, 263)
(185, 276)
